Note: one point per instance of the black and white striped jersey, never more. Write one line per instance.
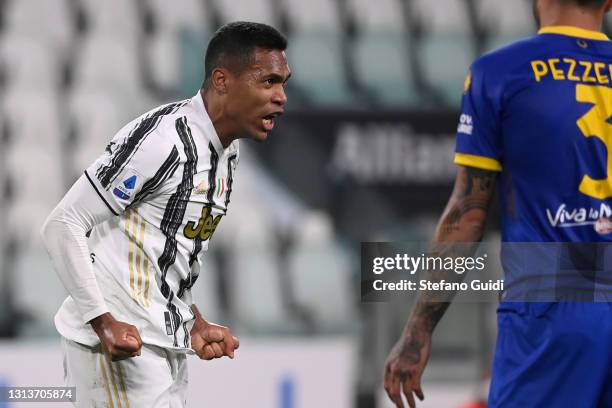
(168, 180)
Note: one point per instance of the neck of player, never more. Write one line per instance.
(556, 13)
(224, 125)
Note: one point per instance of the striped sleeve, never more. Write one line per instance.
(137, 162)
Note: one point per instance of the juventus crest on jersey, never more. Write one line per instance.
(168, 180)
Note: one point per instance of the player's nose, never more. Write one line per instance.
(280, 97)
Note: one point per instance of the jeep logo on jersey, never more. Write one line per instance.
(205, 228)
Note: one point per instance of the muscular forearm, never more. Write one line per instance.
(461, 225)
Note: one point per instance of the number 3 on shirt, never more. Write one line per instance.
(596, 123)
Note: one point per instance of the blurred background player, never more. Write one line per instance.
(538, 125)
(128, 238)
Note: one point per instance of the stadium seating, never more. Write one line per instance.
(248, 238)
(83, 68)
(255, 280)
(93, 119)
(164, 50)
(119, 18)
(447, 46)
(505, 21)
(445, 61)
(322, 77)
(32, 272)
(383, 35)
(191, 15)
(48, 22)
(32, 151)
(33, 118)
(191, 69)
(396, 86)
(315, 15)
(505, 17)
(316, 53)
(72, 72)
(442, 16)
(379, 16)
(108, 62)
(35, 174)
(321, 275)
(163, 59)
(205, 292)
(29, 63)
(261, 11)
(25, 210)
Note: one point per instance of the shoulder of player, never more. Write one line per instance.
(165, 130)
(508, 57)
(154, 134)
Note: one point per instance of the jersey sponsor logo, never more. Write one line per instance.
(121, 194)
(466, 124)
(130, 183)
(200, 188)
(205, 228)
(603, 226)
(564, 217)
(220, 187)
(122, 190)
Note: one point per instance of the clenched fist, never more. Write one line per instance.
(211, 341)
(120, 340)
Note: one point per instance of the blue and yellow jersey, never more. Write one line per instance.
(540, 112)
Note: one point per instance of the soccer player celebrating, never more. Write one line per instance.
(127, 240)
(537, 121)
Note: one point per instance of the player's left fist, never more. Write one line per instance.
(211, 341)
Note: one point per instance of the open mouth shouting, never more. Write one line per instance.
(268, 120)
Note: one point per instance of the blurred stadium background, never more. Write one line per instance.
(364, 153)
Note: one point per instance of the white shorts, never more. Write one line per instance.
(156, 378)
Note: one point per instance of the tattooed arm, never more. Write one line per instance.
(463, 221)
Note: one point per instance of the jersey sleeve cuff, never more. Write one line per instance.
(480, 162)
(92, 314)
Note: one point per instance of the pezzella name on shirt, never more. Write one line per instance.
(569, 69)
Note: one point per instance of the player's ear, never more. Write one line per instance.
(219, 80)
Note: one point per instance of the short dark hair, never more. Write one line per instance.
(233, 44)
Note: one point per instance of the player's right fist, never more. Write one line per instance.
(120, 340)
